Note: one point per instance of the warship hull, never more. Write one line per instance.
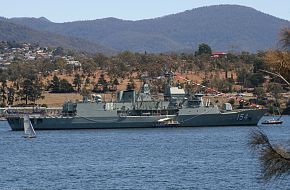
(63, 123)
(242, 118)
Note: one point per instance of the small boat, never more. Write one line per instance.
(167, 122)
(28, 128)
(272, 121)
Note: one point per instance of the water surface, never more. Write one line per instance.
(172, 158)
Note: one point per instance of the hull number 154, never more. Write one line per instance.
(242, 116)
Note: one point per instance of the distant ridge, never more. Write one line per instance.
(223, 27)
(14, 32)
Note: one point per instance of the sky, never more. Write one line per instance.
(73, 10)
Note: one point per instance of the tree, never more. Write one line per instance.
(30, 90)
(77, 82)
(116, 82)
(45, 66)
(279, 64)
(3, 89)
(243, 76)
(232, 101)
(89, 66)
(256, 79)
(87, 81)
(69, 69)
(10, 95)
(58, 51)
(65, 86)
(37, 91)
(203, 49)
(274, 159)
(275, 89)
(60, 64)
(279, 61)
(26, 89)
(100, 60)
(102, 84)
(54, 84)
(260, 93)
(60, 86)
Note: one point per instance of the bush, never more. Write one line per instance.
(232, 101)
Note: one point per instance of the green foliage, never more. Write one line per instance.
(89, 66)
(69, 69)
(60, 64)
(65, 86)
(45, 66)
(13, 44)
(102, 80)
(26, 89)
(261, 95)
(242, 75)
(102, 85)
(116, 82)
(232, 101)
(54, 84)
(10, 96)
(274, 158)
(60, 86)
(3, 89)
(87, 81)
(203, 49)
(77, 82)
(256, 79)
(249, 79)
(275, 89)
(125, 64)
(58, 51)
(30, 90)
(36, 94)
(259, 92)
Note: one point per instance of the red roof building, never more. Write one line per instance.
(218, 54)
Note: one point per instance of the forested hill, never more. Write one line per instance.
(14, 32)
(223, 27)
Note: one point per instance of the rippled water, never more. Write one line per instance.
(172, 158)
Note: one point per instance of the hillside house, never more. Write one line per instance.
(218, 54)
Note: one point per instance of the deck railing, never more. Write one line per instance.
(18, 111)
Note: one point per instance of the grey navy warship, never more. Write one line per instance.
(136, 110)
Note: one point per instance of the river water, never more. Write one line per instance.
(169, 158)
